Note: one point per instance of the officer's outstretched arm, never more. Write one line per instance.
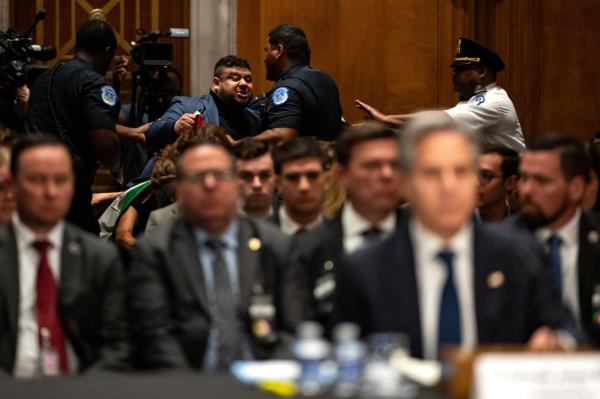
(106, 146)
(377, 115)
(278, 135)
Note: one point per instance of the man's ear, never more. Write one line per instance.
(279, 51)
(216, 83)
(338, 172)
(510, 184)
(577, 188)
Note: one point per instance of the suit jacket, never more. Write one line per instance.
(321, 252)
(170, 309)
(91, 300)
(588, 268)
(377, 289)
(161, 217)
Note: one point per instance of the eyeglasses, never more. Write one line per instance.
(248, 177)
(486, 177)
(295, 177)
(200, 177)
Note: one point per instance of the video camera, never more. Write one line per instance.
(154, 59)
(17, 51)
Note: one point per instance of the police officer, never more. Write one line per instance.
(73, 102)
(484, 106)
(304, 101)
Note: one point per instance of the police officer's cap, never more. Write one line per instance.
(470, 52)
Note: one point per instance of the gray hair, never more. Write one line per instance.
(425, 123)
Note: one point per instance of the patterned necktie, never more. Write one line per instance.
(48, 316)
(554, 243)
(449, 317)
(226, 317)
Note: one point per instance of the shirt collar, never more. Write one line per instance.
(292, 69)
(569, 233)
(290, 227)
(27, 236)
(229, 237)
(426, 241)
(480, 89)
(354, 224)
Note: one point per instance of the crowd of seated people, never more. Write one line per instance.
(235, 232)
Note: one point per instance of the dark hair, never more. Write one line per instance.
(94, 37)
(294, 42)
(250, 148)
(28, 142)
(573, 158)
(230, 61)
(354, 135)
(204, 135)
(510, 159)
(303, 147)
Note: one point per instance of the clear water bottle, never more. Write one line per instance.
(350, 354)
(311, 350)
(49, 358)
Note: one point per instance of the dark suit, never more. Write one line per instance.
(588, 267)
(170, 310)
(321, 252)
(377, 289)
(91, 300)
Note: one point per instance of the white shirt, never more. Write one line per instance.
(289, 227)
(431, 276)
(569, 252)
(492, 113)
(27, 353)
(354, 225)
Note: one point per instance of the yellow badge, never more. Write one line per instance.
(495, 279)
(254, 244)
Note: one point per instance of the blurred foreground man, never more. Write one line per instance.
(62, 298)
(554, 175)
(443, 279)
(213, 286)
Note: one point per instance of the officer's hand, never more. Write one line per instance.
(184, 124)
(373, 113)
(140, 133)
(120, 71)
(22, 96)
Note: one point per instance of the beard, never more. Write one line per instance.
(537, 219)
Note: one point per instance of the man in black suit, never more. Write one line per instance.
(62, 298)
(555, 171)
(442, 279)
(213, 286)
(367, 170)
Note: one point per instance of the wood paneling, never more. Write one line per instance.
(125, 16)
(396, 54)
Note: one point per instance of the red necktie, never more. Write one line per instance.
(47, 306)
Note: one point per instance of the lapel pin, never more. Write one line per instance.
(254, 244)
(74, 248)
(593, 236)
(328, 265)
(495, 279)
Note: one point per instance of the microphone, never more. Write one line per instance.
(40, 15)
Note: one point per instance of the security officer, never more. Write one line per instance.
(73, 102)
(484, 106)
(304, 101)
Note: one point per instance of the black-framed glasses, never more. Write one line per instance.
(248, 177)
(485, 177)
(294, 177)
(200, 177)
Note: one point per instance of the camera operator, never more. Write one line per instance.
(74, 102)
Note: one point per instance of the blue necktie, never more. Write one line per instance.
(449, 317)
(554, 260)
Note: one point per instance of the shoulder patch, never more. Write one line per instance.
(108, 95)
(280, 95)
(479, 100)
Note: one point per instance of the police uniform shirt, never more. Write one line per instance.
(491, 112)
(305, 99)
(82, 100)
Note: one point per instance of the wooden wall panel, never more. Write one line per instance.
(396, 54)
(125, 16)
